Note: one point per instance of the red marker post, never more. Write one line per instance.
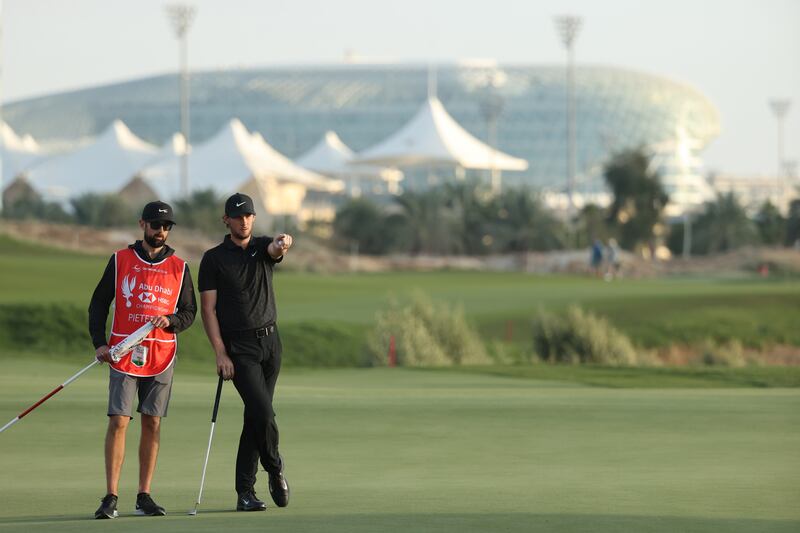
(392, 352)
(509, 331)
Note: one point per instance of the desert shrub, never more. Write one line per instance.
(722, 354)
(580, 337)
(426, 334)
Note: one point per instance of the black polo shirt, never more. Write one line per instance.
(243, 281)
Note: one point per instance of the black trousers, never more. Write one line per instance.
(256, 362)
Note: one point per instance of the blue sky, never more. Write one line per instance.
(740, 53)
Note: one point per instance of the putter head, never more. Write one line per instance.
(193, 512)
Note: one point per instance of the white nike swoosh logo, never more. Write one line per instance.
(240, 205)
(254, 253)
(162, 210)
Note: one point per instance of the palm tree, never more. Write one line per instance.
(432, 227)
(793, 224)
(360, 222)
(771, 224)
(530, 226)
(639, 198)
(723, 226)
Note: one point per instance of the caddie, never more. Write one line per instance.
(147, 283)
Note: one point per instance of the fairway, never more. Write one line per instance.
(414, 450)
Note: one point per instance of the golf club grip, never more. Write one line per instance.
(216, 401)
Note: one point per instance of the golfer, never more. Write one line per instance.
(148, 283)
(238, 307)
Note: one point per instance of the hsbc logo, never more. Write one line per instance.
(147, 297)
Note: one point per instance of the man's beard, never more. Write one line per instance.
(154, 240)
(239, 233)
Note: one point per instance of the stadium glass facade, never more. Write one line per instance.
(293, 107)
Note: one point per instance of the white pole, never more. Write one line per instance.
(182, 17)
(568, 27)
(780, 107)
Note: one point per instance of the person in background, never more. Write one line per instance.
(596, 257)
(612, 259)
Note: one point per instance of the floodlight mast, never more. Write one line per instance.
(182, 16)
(568, 27)
(780, 108)
(492, 108)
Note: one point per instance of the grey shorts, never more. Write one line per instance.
(154, 393)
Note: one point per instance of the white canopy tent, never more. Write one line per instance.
(17, 153)
(104, 166)
(236, 160)
(222, 163)
(433, 138)
(332, 157)
(282, 185)
(162, 172)
(277, 165)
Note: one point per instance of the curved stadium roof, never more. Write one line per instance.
(293, 107)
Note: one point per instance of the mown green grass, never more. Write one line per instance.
(648, 377)
(415, 450)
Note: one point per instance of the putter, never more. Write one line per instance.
(193, 512)
(116, 352)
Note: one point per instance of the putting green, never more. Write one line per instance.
(413, 450)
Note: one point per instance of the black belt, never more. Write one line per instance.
(250, 333)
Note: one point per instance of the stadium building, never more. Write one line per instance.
(293, 108)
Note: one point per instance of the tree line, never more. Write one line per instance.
(466, 218)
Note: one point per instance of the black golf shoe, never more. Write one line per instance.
(247, 501)
(146, 506)
(279, 487)
(108, 507)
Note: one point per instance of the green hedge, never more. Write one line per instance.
(426, 334)
(48, 329)
(62, 329)
(323, 344)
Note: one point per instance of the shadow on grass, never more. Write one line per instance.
(279, 520)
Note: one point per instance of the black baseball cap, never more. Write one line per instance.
(158, 211)
(238, 205)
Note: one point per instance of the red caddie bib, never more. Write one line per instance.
(145, 290)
